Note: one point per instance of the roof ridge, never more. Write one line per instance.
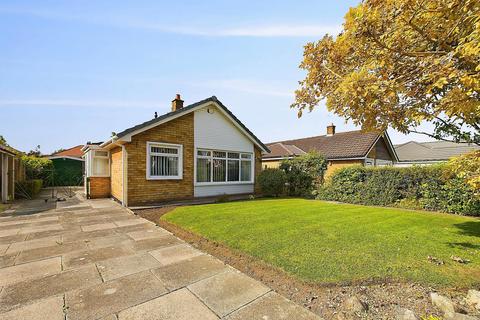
(312, 137)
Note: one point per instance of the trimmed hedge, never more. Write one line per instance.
(272, 182)
(426, 187)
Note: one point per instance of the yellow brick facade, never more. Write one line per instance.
(116, 173)
(332, 166)
(99, 187)
(143, 191)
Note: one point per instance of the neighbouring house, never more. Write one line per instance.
(200, 150)
(425, 153)
(69, 166)
(340, 149)
(12, 171)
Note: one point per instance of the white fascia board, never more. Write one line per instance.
(65, 157)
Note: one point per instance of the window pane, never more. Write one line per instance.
(164, 150)
(219, 154)
(219, 171)
(246, 171)
(233, 155)
(233, 170)
(203, 153)
(101, 153)
(246, 156)
(204, 170)
(162, 166)
(100, 166)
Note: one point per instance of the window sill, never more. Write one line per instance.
(164, 178)
(201, 184)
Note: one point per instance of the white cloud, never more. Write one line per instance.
(267, 30)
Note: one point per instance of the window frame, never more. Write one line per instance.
(212, 157)
(94, 156)
(179, 155)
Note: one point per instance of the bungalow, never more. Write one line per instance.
(195, 151)
(69, 166)
(425, 153)
(340, 149)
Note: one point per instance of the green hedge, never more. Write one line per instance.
(272, 182)
(427, 187)
(28, 188)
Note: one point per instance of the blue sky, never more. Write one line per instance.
(73, 71)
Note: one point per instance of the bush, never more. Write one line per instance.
(427, 187)
(38, 168)
(272, 182)
(28, 188)
(304, 173)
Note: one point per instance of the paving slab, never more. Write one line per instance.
(77, 236)
(113, 296)
(102, 242)
(155, 243)
(272, 306)
(80, 258)
(28, 291)
(99, 226)
(8, 260)
(9, 232)
(189, 271)
(22, 272)
(228, 291)
(178, 305)
(51, 309)
(3, 248)
(175, 254)
(34, 244)
(147, 234)
(13, 238)
(146, 226)
(119, 267)
(129, 222)
(33, 229)
(46, 234)
(52, 251)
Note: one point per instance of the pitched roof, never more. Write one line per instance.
(432, 151)
(342, 145)
(5, 149)
(75, 152)
(186, 110)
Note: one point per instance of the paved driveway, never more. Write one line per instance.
(92, 259)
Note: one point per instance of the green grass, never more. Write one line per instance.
(340, 243)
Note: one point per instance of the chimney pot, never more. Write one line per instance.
(331, 130)
(177, 103)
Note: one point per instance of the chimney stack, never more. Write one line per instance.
(177, 103)
(330, 130)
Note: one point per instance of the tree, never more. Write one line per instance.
(3, 141)
(398, 63)
(36, 152)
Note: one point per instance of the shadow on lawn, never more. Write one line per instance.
(464, 245)
(469, 228)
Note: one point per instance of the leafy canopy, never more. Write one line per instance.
(398, 63)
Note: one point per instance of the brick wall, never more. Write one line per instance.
(258, 168)
(337, 164)
(99, 187)
(143, 191)
(116, 173)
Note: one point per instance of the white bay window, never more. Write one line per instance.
(223, 167)
(164, 161)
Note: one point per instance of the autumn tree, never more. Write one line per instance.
(399, 63)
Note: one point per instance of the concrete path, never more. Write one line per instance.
(95, 260)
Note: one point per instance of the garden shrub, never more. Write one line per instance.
(38, 168)
(28, 188)
(427, 187)
(272, 182)
(304, 173)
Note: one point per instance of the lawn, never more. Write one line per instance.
(340, 243)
